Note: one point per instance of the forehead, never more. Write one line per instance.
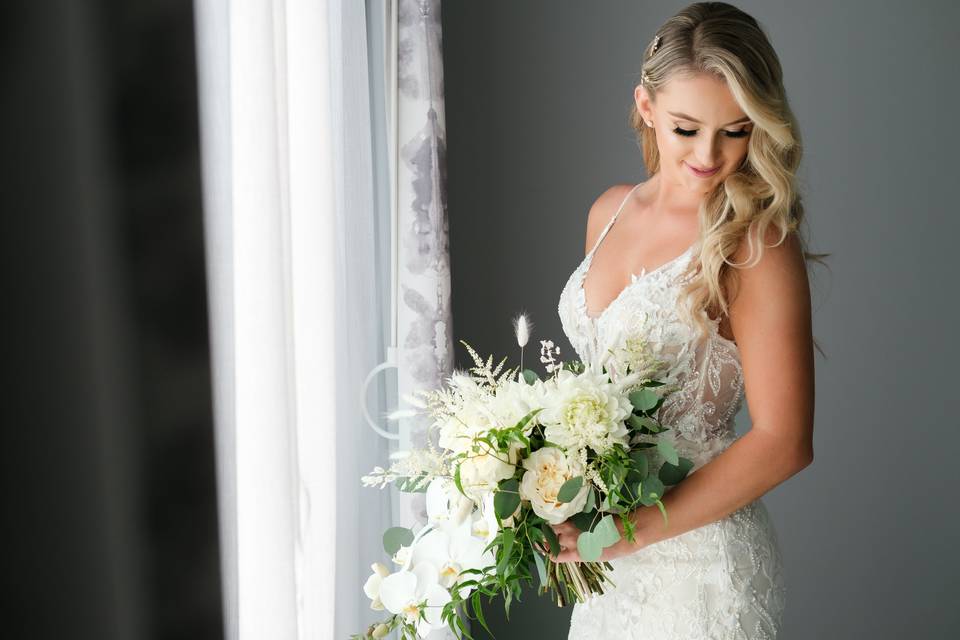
(701, 96)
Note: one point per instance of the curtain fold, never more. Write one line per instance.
(322, 143)
(296, 309)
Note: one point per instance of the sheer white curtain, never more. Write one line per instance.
(296, 309)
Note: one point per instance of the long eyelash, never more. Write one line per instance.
(743, 133)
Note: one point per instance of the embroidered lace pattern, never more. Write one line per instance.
(723, 580)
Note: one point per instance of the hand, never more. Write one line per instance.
(567, 534)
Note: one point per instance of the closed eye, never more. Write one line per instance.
(743, 133)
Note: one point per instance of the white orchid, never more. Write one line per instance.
(547, 469)
(445, 503)
(453, 548)
(402, 556)
(372, 586)
(586, 410)
(485, 520)
(417, 595)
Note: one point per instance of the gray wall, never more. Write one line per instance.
(537, 96)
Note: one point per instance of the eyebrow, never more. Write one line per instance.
(691, 119)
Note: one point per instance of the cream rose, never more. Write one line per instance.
(546, 471)
(482, 471)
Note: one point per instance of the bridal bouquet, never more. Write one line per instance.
(517, 454)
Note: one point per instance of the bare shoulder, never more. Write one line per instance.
(781, 268)
(602, 210)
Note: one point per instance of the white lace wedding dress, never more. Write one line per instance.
(723, 580)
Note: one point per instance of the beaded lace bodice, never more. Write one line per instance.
(722, 580)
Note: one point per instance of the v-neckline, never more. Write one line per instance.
(634, 279)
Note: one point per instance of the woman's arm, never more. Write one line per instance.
(770, 319)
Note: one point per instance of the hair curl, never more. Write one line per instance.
(759, 198)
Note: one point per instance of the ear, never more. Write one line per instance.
(641, 98)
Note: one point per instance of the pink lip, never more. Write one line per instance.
(702, 174)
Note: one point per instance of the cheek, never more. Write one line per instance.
(672, 145)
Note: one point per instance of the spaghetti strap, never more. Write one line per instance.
(613, 219)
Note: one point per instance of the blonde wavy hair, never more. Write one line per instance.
(760, 198)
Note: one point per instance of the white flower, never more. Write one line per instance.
(586, 410)
(482, 471)
(546, 471)
(467, 416)
(372, 586)
(404, 591)
(453, 548)
(485, 523)
(402, 556)
(514, 400)
(445, 503)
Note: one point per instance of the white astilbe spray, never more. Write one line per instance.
(423, 464)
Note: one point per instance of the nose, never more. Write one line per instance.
(707, 152)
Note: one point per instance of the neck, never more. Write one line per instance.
(669, 193)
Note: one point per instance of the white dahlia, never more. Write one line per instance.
(586, 410)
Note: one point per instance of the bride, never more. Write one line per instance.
(702, 266)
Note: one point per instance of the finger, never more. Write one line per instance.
(568, 555)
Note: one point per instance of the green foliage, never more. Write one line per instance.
(644, 399)
(591, 502)
(671, 474)
(507, 498)
(570, 489)
(639, 466)
(396, 537)
(550, 535)
(590, 544)
(522, 553)
(414, 484)
(541, 569)
(651, 490)
(668, 452)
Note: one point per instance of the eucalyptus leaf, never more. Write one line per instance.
(589, 547)
(530, 376)
(570, 489)
(668, 452)
(396, 537)
(671, 474)
(644, 424)
(591, 501)
(651, 490)
(639, 464)
(644, 399)
(582, 520)
(606, 531)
